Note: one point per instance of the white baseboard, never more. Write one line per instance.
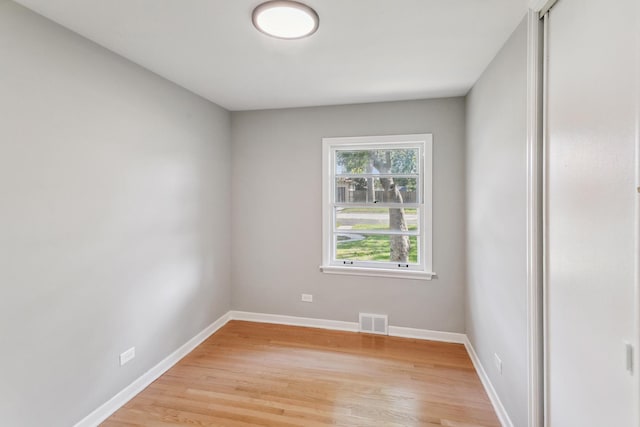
(425, 334)
(395, 331)
(501, 412)
(117, 401)
(294, 321)
(129, 392)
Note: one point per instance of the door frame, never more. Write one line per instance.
(535, 165)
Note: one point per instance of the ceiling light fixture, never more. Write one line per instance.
(285, 19)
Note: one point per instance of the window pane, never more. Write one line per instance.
(377, 248)
(376, 190)
(395, 161)
(376, 219)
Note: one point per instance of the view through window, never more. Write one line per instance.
(377, 203)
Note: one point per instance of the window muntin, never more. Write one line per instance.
(374, 191)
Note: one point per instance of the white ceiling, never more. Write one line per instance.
(364, 50)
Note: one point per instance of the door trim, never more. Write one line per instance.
(534, 222)
(636, 355)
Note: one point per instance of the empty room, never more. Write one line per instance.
(319, 213)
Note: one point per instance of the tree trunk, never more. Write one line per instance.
(399, 244)
(371, 191)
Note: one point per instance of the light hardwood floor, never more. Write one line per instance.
(249, 374)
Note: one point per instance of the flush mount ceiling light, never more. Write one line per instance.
(285, 19)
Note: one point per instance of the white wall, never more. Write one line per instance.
(496, 312)
(114, 220)
(277, 225)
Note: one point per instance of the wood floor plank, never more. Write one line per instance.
(256, 374)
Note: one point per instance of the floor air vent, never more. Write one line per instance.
(374, 323)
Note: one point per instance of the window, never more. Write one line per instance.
(377, 206)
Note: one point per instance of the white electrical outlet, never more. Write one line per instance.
(307, 298)
(127, 355)
(498, 362)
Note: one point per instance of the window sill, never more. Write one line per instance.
(378, 272)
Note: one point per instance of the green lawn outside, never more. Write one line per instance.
(373, 248)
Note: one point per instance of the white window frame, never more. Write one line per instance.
(423, 269)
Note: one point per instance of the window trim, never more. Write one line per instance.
(422, 271)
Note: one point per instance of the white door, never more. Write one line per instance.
(591, 198)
